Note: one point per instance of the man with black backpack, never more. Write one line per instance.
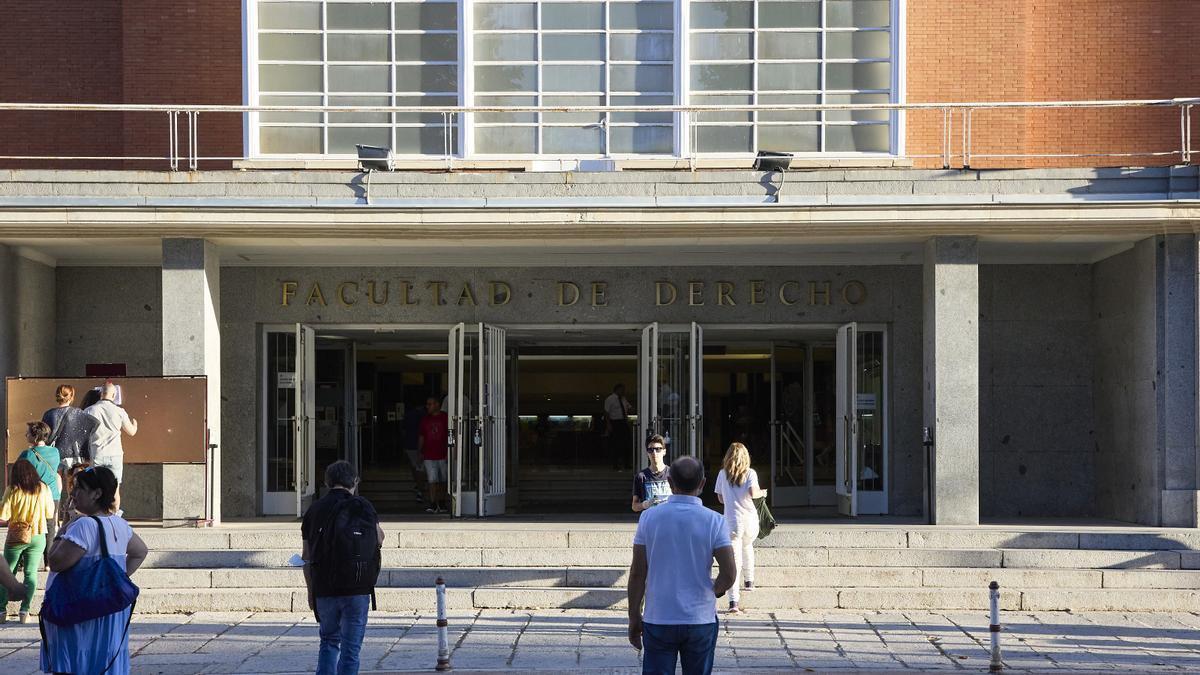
(342, 539)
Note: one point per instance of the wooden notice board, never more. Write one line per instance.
(171, 413)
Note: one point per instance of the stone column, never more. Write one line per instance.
(8, 329)
(191, 336)
(951, 336)
(1176, 400)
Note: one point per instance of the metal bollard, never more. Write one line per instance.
(994, 592)
(443, 658)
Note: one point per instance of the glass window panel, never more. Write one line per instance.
(864, 44)
(571, 140)
(789, 46)
(314, 118)
(775, 76)
(432, 79)
(504, 102)
(343, 139)
(359, 78)
(641, 140)
(289, 47)
(277, 15)
(641, 117)
(789, 138)
(423, 101)
(573, 47)
(506, 78)
(289, 78)
(641, 78)
(361, 15)
(573, 78)
(426, 16)
(790, 14)
(505, 16)
(506, 140)
(642, 47)
(588, 117)
(858, 138)
(724, 139)
(424, 140)
(876, 75)
(722, 15)
(289, 140)
(360, 118)
(857, 116)
(787, 115)
(572, 15)
(641, 16)
(858, 14)
(724, 116)
(358, 47)
(436, 47)
(511, 47)
(707, 77)
(722, 46)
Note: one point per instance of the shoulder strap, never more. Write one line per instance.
(42, 459)
(103, 537)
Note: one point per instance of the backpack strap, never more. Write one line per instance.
(103, 537)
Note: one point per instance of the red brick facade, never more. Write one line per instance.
(190, 51)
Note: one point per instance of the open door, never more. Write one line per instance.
(304, 426)
(846, 469)
(492, 421)
(648, 422)
(789, 450)
(695, 416)
(456, 445)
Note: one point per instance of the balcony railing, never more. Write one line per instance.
(949, 135)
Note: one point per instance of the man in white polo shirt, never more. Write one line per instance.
(673, 550)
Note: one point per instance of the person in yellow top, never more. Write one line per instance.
(26, 507)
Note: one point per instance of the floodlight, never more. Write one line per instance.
(374, 158)
(766, 160)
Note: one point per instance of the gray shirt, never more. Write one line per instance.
(106, 439)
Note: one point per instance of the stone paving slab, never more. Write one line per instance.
(594, 641)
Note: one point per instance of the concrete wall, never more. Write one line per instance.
(1037, 447)
(109, 315)
(36, 314)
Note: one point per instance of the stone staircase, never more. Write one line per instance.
(507, 564)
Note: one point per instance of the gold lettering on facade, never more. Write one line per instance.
(315, 295)
(568, 294)
(406, 298)
(373, 297)
(599, 294)
(341, 293)
(438, 287)
(783, 292)
(499, 292)
(695, 293)
(854, 292)
(758, 293)
(659, 287)
(289, 289)
(725, 293)
(466, 296)
(819, 293)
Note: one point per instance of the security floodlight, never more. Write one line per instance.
(374, 158)
(766, 160)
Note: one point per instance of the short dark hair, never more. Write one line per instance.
(687, 474)
(103, 479)
(340, 474)
(39, 431)
(656, 439)
(24, 477)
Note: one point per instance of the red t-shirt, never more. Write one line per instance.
(433, 433)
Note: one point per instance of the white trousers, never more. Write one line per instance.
(742, 537)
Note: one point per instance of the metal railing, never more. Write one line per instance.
(957, 121)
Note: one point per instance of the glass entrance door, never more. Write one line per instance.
(846, 485)
(671, 387)
(478, 411)
(304, 420)
(790, 450)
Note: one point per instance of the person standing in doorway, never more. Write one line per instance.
(650, 485)
(432, 442)
(737, 488)
(106, 439)
(616, 430)
(673, 551)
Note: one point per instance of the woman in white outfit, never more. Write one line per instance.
(737, 488)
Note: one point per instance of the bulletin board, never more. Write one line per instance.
(171, 412)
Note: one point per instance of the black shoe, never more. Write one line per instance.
(749, 586)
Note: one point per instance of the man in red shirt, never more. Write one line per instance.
(435, 426)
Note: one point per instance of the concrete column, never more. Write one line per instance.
(8, 328)
(951, 336)
(192, 346)
(1176, 399)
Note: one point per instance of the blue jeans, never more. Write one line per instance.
(694, 644)
(343, 623)
(114, 462)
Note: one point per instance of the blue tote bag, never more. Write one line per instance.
(93, 588)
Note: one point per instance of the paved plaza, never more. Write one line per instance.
(573, 640)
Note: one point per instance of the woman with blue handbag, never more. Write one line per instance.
(89, 597)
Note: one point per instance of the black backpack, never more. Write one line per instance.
(347, 554)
